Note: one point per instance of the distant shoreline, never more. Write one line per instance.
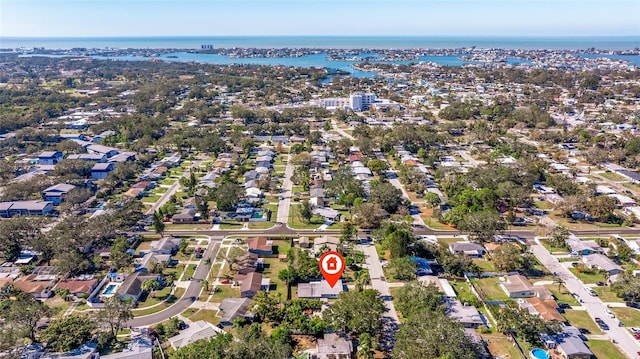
(327, 42)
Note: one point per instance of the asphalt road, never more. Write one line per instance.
(285, 202)
(595, 307)
(193, 291)
(172, 189)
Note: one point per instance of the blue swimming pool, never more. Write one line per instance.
(538, 353)
(110, 289)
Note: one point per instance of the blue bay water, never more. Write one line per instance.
(346, 42)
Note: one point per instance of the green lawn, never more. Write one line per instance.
(581, 319)
(485, 265)
(146, 311)
(151, 198)
(499, 345)
(296, 222)
(191, 269)
(613, 176)
(604, 349)
(588, 278)
(490, 287)
(206, 315)
(157, 297)
(553, 249)
(563, 295)
(231, 225)
(225, 291)
(167, 182)
(630, 317)
(463, 291)
(606, 294)
(271, 268)
(160, 190)
(184, 226)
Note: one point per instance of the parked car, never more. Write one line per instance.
(563, 305)
(609, 313)
(600, 284)
(584, 331)
(225, 281)
(632, 305)
(635, 330)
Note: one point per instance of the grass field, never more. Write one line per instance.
(490, 287)
(501, 345)
(563, 295)
(206, 315)
(630, 317)
(581, 319)
(146, 311)
(225, 291)
(588, 278)
(613, 176)
(603, 349)
(606, 294)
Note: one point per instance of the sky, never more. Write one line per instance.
(100, 18)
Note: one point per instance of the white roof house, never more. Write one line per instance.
(196, 331)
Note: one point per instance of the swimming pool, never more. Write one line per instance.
(110, 289)
(538, 353)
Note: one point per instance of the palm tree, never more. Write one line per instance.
(367, 344)
(559, 281)
(150, 285)
(205, 285)
(362, 279)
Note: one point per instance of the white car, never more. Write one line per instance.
(609, 313)
(634, 330)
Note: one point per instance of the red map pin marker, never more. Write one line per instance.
(331, 266)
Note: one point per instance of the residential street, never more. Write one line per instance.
(594, 306)
(285, 194)
(172, 190)
(193, 291)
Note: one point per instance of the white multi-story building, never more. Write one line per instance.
(361, 101)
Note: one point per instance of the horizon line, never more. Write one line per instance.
(300, 36)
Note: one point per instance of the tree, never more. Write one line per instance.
(356, 312)
(386, 195)
(627, 287)
(623, 251)
(366, 345)
(203, 207)
(559, 281)
(398, 242)
(508, 257)
(228, 195)
(367, 215)
(482, 226)
(288, 275)
(68, 332)
(115, 313)
(432, 199)
(214, 348)
(428, 334)
(378, 166)
(558, 236)
(158, 223)
(362, 279)
(119, 257)
(24, 312)
(305, 211)
(348, 232)
(150, 285)
(402, 269)
(415, 297)
(205, 285)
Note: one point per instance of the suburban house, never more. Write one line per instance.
(602, 262)
(583, 248)
(50, 157)
(188, 215)
(138, 348)
(196, 331)
(317, 196)
(260, 246)
(166, 245)
(103, 150)
(568, 344)
(249, 263)
(25, 208)
(467, 248)
(517, 286)
(329, 214)
(131, 288)
(233, 308)
(39, 286)
(547, 309)
(92, 157)
(320, 289)
(78, 288)
(330, 243)
(123, 157)
(334, 346)
(135, 193)
(250, 284)
(85, 351)
(55, 194)
(468, 315)
(145, 263)
(101, 170)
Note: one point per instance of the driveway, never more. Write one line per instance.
(193, 291)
